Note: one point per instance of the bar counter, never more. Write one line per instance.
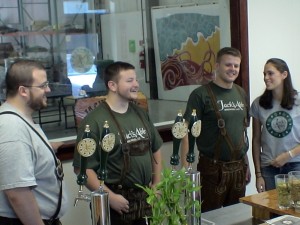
(238, 214)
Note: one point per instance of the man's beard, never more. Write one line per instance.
(35, 103)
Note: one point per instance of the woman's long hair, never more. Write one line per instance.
(288, 98)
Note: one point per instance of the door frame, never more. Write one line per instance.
(239, 38)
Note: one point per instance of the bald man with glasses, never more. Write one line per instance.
(32, 189)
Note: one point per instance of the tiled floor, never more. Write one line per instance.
(160, 111)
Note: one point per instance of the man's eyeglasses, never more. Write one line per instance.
(42, 86)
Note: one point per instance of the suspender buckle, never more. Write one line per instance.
(221, 123)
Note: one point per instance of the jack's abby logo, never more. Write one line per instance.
(279, 124)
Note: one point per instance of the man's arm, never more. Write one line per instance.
(24, 204)
(156, 167)
(56, 145)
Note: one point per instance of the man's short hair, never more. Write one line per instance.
(113, 70)
(20, 73)
(228, 51)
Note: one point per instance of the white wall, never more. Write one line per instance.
(274, 30)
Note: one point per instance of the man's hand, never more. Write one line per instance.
(118, 203)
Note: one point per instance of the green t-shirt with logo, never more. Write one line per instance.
(232, 106)
(140, 171)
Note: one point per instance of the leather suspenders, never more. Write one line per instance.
(125, 148)
(235, 150)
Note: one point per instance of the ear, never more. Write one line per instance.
(284, 74)
(112, 85)
(23, 91)
(217, 65)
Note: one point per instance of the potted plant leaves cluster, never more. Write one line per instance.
(168, 201)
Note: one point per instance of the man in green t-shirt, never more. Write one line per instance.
(222, 107)
(136, 156)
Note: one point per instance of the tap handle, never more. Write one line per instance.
(194, 132)
(86, 147)
(107, 144)
(179, 130)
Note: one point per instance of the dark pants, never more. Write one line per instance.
(138, 207)
(222, 183)
(117, 219)
(15, 221)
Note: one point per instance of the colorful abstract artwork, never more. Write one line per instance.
(187, 43)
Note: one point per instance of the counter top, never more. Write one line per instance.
(238, 214)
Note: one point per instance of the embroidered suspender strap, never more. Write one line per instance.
(58, 170)
(116, 122)
(221, 125)
(125, 150)
(244, 138)
(246, 119)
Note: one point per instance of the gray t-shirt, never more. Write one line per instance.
(280, 129)
(27, 162)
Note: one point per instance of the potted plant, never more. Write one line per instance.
(168, 201)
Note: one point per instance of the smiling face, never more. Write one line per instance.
(127, 86)
(227, 70)
(273, 78)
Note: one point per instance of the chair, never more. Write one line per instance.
(68, 104)
(85, 105)
(52, 112)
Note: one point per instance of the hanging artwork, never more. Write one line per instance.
(186, 40)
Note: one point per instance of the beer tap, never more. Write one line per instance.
(194, 132)
(107, 144)
(86, 147)
(179, 130)
(99, 198)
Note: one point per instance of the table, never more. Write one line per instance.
(238, 214)
(265, 206)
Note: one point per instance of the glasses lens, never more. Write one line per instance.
(45, 85)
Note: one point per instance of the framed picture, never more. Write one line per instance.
(186, 40)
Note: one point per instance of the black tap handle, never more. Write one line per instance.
(179, 130)
(107, 143)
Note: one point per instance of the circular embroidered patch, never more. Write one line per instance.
(279, 124)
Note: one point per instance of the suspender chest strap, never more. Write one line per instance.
(235, 150)
(137, 148)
